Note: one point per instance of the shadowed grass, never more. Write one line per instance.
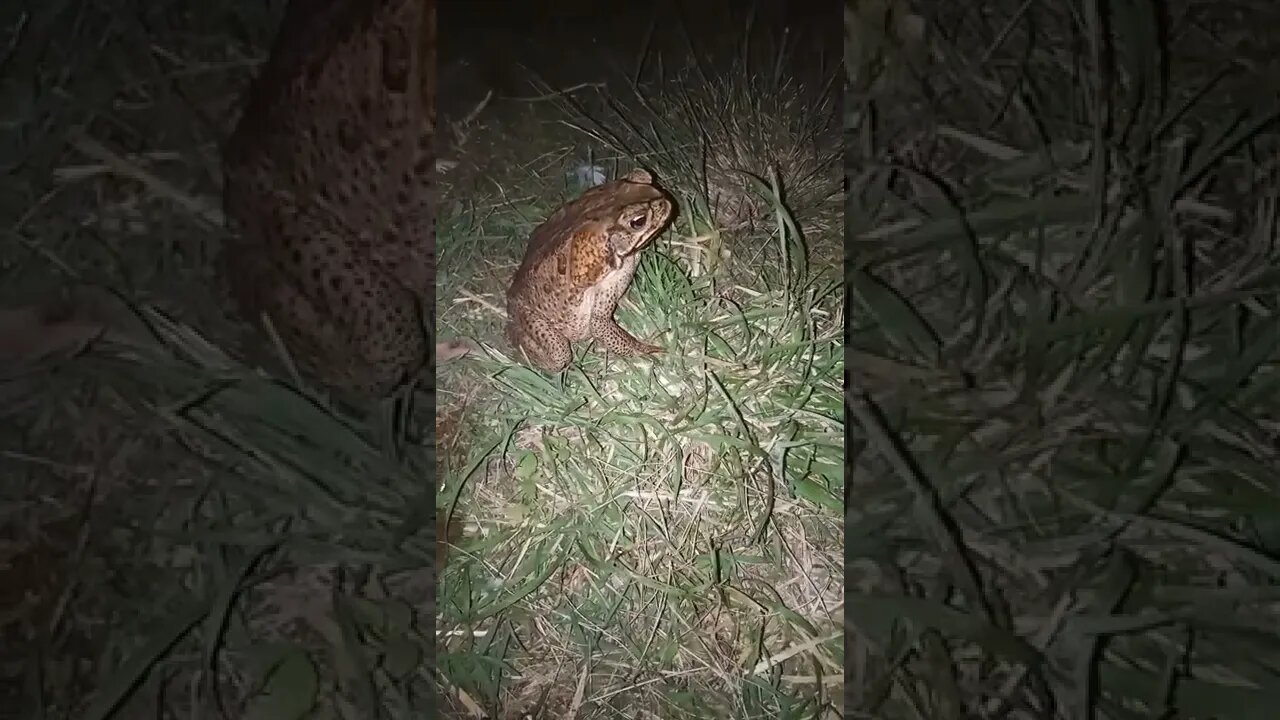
(1063, 329)
(182, 536)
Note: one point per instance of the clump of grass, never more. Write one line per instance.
(316, 556)
(684, 512)
(662, 534)
(278, 556)
(181, 521)
(659, 537)
(729, 127)
(633, 520)
(1060, 377)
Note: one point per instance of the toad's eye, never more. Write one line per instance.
(638, 221)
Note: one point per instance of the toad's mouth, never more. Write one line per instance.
(618, 257)
(649, 238)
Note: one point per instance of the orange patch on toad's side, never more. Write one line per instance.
(586, 258)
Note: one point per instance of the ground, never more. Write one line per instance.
(655, 537)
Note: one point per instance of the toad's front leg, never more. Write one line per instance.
(619, 341)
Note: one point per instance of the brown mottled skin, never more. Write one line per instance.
(578, 264)
(328, 178)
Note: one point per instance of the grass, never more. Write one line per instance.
(659, 496)
(1063, 337)
(649, 537)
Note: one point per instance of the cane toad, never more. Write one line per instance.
(327, 177)
(578, 264)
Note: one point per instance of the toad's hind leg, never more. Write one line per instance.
(619, 341)
(343, 323)
(330, 353)
(544, 345)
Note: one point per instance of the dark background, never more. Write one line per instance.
(493, 44)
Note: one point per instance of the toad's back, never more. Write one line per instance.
(328, 178)
(577, 265)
